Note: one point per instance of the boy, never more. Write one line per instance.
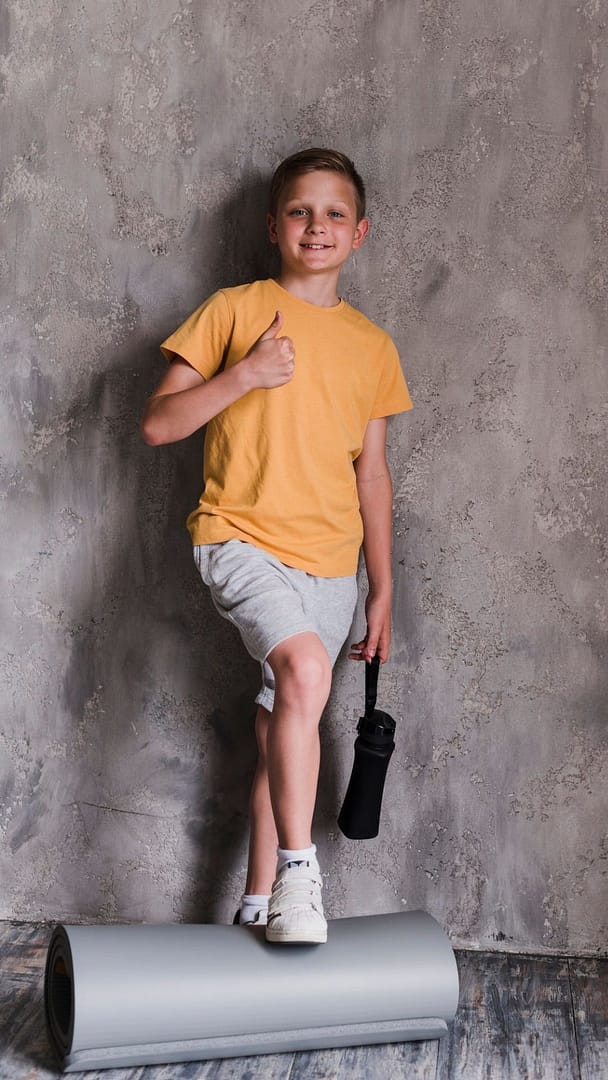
(295, 386)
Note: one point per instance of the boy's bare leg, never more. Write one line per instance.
(263, 838)
(285, 783)
(302, 674)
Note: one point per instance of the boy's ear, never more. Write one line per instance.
(360, 233)
(272, 229)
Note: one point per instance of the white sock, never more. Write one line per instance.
(285, 855)
(251, 905)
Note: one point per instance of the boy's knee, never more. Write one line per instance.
(302, 668)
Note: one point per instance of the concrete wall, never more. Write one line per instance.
(137, 143)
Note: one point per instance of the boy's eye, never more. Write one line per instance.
(335, 213)
(297, 213)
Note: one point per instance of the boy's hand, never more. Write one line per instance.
(270, 361)
(378, 637)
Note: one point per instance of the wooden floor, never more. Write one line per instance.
(519, 1016)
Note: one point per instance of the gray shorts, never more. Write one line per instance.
(268, 602)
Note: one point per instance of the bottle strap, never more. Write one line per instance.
(372, 668)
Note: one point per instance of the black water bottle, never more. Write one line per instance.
(359, 818)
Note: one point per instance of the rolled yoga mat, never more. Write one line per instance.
(120, 996)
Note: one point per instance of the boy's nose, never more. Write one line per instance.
(316, 225)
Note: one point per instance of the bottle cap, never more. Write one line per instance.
(377, 727)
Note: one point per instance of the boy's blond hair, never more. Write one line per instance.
(310, 161)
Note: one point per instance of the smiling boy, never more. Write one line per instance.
(295, 386)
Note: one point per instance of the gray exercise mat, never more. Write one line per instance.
(120, 996)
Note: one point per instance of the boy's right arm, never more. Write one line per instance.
(184, 401)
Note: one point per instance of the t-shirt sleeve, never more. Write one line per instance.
(392, 395)
(203, 338)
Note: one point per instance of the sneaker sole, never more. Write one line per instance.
(296, 937)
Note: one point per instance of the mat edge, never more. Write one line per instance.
(275, 1042)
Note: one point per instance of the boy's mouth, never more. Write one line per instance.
(316, 247)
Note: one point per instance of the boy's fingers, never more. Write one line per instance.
(363, 650)
(273, 329)
(377, 641)
(374, 635)
(372, 647)
(357, 648)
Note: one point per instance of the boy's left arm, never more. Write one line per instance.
(375, 492)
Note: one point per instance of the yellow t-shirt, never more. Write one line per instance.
(278, 463)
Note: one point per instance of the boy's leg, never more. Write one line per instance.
(289, 738)
(268, 600)
(302, 672)
(263, 838)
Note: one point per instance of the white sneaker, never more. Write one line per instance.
(295, 908)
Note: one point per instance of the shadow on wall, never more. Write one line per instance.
(234, 244)
(166, 756)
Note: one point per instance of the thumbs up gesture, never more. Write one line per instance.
(271, 359)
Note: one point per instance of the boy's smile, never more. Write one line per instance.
(316, 226)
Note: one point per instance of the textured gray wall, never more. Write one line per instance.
(137, 142)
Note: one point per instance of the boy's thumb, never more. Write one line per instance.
(273, 329)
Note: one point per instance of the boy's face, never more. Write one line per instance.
(316, 224)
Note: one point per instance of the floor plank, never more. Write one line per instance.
(23, 949)
(414, 1060)
(514, 1020)
(268, 1067)
(589, 986)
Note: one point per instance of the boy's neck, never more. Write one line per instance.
(314, 288)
